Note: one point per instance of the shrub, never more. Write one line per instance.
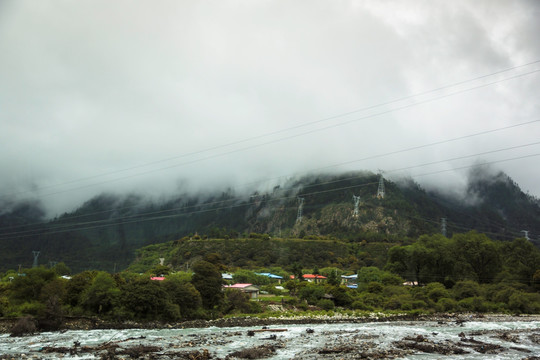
(326, 304)
(397, 301)
(466, 289)
(311, 293)
(24, 326)
(33, 308)
(419, 304)
(375, 287)
(522, 302)
(475, 303)
(360, 305)
(372, 300)
(446, 305)
(436, 291)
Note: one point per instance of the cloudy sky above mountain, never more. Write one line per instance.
(155, 96)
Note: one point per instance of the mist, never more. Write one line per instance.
(160, 99)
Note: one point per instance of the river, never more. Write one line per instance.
(477, 339)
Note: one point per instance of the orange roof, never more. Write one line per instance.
(157, 278)
(313, 276)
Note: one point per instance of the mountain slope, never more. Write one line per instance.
(105, 231)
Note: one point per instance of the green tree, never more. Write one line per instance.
(62, 269)
(477, 257)
(311, 292)
(102, 294)
(76, 286)
(28, 288)
(184, 294)
(236, 301)
(522, 261)
(145, 299)
(207, 280)
(465, 289)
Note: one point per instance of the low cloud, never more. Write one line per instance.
(127, 96)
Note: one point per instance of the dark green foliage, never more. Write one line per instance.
(61, 269)
(406, 211)
(477, 257)
(183, 294)
(341, 295)
(326, 304)
(76, 286)
(466, 289)
(236, 302)
(146, 299)
(207, 280)
(28, 287)
(24, 326)
(310, 292)
(436, 291)
(522, 302)
(102, 294)
(249, 277)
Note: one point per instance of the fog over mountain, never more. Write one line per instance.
(160, 98)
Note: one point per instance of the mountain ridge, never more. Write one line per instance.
(104, 232)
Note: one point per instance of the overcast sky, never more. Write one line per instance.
(157, 95)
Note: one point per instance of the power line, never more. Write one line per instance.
(116, 223)
(324, 183)
(339, 164)
(292, 128)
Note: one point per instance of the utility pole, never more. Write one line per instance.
(380, 190)
(356, 200)
(36, 255)
(300, 208)
(443, 227)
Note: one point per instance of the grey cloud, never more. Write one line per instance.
(92, 87)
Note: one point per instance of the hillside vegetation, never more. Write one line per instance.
(105, 231)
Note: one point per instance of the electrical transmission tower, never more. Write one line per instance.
(443, 227)
(356, 200)
(380, 190)
(36, 254)
(526, 233)
(300, 207)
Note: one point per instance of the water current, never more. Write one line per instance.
(506, 339)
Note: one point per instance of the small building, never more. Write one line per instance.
(227, 277)
(349, 279)
(316, 278)
(271, 276)
(250, 289)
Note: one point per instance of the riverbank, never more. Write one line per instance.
(88, 323)
(430, 338)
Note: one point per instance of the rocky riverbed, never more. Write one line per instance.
(445, 336)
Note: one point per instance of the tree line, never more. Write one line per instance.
(468, 272)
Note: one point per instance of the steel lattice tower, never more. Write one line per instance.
(300, 208)
(380, 190)
(356, 200)
(443, 227)
(36, 255)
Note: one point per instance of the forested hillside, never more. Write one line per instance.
(104, 232)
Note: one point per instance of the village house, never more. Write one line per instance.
(271, 276)
(250, 289)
